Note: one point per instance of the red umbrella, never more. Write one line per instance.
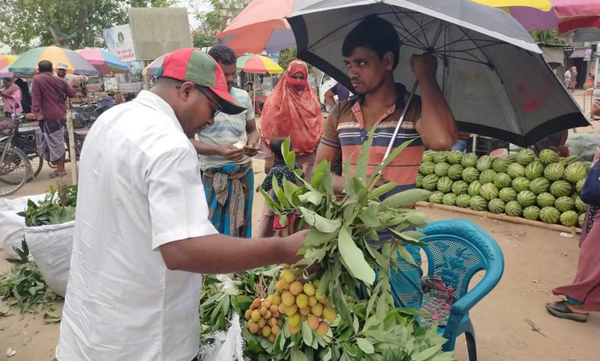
(260, 26)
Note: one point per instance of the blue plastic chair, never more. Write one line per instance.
(456, 251)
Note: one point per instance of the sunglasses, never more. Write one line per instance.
(218, 108)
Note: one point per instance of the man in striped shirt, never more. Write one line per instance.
(379, 102)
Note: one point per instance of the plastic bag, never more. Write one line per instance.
(12, 226)
(226, 346)
(51, 247)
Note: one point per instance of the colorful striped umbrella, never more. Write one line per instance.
(76, 64)
(6, 59)
(564, 15)
(105, 62)
(154, 67)
(258, 64)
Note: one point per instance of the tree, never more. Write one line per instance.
(286, 56)
(72, 24)
(215, 20)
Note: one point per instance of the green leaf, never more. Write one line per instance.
(316, 238)
(307, 335)
(382, 308)
(297, 355)
(381, 190)
(341, 306)
(328, 180)
(319, 173)
(365, 345)
(321, 223)
(427, 353)
(313, 197)
(327, 356)
(363, 158)
(406, 238)
(275, 208)
(288, 155)
(354, 259)
(283, 219)
(279, 193)
(406, 198)
(407, 256)
(368, 220)
(290, 190)
(324, 284)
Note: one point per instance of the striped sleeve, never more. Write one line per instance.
(330, 136)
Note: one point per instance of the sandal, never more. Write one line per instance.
(561, 310)
(57, 174)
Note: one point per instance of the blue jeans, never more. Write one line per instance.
(460, 145)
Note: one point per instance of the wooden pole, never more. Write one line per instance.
(502, 217)
(72, 150)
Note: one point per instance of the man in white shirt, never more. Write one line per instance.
(142, 232)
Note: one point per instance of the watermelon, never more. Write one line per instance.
(430, 182)
(455, 171)
(500, 165)
(560, 188)
(513, 208)
(534, 170)
(572, 159)
(474, 188)
(539, 185)
(520, 184)
(532, 213)
(496, 206)
(436, 197)
(550, 215)
(545, 200)
(440, 157)
(581, 220)
(470, 174)
(489, 191)
(427, 168)
(526, 198)
(455, 156)
(463, 201)
(484, 163)
(580, 205)
(575, 172)
(516, 170)
(478, 203)
(418, 180)
(548, 156)
(569, 218)
(449, 199)
(579, 185)
(564, 204)
(487, 176)
(441, 169)
(459, 187)
(507, 194)
(469, 160)
(502, 180)
(444, 184)
(525, 156)
(554, 171)
(427, 156)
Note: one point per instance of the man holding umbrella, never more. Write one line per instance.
(371, 61)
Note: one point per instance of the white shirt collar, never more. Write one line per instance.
(157, 103)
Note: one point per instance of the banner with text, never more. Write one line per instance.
(120, 42)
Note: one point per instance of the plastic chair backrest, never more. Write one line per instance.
(457, 250)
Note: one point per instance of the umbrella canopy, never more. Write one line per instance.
(153, 68)
(260, 26)
(76, 64)
(105, 62)
(494, 77)
(258, 64)
(566, 15)
(6, 60)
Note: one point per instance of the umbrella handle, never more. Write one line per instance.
(410, 98)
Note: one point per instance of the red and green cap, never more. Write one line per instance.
(196, 66)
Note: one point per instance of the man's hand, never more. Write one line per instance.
(424, 66)
(230, 152)
(251, 150)
(31, 116)
(290, 246)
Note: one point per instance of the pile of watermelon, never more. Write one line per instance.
(545, 188)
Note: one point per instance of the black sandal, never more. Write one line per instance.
(561, 310)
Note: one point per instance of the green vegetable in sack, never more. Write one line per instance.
(550, 215)
(496, 206)
(545, 200)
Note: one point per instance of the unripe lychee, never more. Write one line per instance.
(329, 314)
(276, 300)
(291, 310)
(275, 330)
(312, 300)
(302, 300)
(309, 289)
(248, 314)
(262, 323)
(266, 331)
(272, 337)
(296, 288)
(273, 309)
(253, 327)
(317, 310)
(287, 298)
(305, 311)
(295, 320)
(288, 276)
(256, 315)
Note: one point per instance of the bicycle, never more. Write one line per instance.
(25, 142)
(15, 167)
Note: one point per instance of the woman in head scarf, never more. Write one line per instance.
(293, 110)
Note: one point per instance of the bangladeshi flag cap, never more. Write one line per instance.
(196, 66)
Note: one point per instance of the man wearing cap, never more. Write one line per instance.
(61, 71)
(142, 233)
(225, 150)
